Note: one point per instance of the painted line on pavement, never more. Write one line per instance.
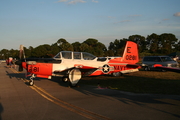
(83, 112)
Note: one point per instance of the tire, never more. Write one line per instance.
(146, 68)
(65, 79)
(31, 82)
(117, 74)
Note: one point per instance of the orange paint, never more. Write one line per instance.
(41, 69)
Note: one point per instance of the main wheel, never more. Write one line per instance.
(65, 79)
(74, 77)
(146, 68)
(116, 74)
(31, 82)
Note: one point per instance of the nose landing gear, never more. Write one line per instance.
(31, 81)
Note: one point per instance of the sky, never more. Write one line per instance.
(38, 22)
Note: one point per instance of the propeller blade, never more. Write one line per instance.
(21, 56)
(21, 48)
(22, 52)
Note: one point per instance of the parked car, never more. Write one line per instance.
(149, 61)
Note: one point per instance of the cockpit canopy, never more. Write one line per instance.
(74, 55)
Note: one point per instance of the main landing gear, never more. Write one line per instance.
(73, 77)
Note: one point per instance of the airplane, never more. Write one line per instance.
(72, 66)
(159, 66)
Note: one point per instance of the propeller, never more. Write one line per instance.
(21, 52)
(22, 58)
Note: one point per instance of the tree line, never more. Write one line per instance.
(153, 44)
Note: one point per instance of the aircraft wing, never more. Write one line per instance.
(63, 71)
(132, 68)
(82, 68)
(167, 68)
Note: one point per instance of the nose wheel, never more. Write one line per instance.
(31, 81)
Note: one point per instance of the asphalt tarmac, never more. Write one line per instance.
(54, 100)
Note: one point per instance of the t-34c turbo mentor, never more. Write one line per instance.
(71, 66)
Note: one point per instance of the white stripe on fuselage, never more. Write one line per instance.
(69, 63)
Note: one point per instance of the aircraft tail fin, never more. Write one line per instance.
(130, 54)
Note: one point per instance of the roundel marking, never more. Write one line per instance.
(105, 68)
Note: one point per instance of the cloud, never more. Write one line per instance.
(62, 1)
(75, 1)
(163, 20)
(95, 1)
(111, 17)
(177, 14)
(123, 21)
(71, 1)
(135, 15)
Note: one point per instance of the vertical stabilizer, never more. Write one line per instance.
(130, 54)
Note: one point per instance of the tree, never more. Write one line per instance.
(55, 49)
(140, 40)
(168, 42)
(42, 51)
(100, 49)
(61, 41)
(5, 53)
(84, 48)
(30, 49)
(76, 46)
(64, 45)
(177, 47)
(153, 43)
(116, 48)
(14, 53)
(92, 45)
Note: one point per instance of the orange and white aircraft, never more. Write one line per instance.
(71, 66)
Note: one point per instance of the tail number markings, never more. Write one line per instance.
(34, 69)
(131, 57)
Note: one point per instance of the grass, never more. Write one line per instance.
(155, 82)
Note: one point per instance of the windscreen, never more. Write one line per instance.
(88, 56)
(164, 59)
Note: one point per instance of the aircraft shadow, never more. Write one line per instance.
(15, 75)
(110, 94)
(60, 82)
(129, 97)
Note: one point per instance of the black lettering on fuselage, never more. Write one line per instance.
(118, 67)
(33, 69)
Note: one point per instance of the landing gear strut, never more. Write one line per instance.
(31, 81)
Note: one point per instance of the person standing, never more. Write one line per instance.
(10, 61)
